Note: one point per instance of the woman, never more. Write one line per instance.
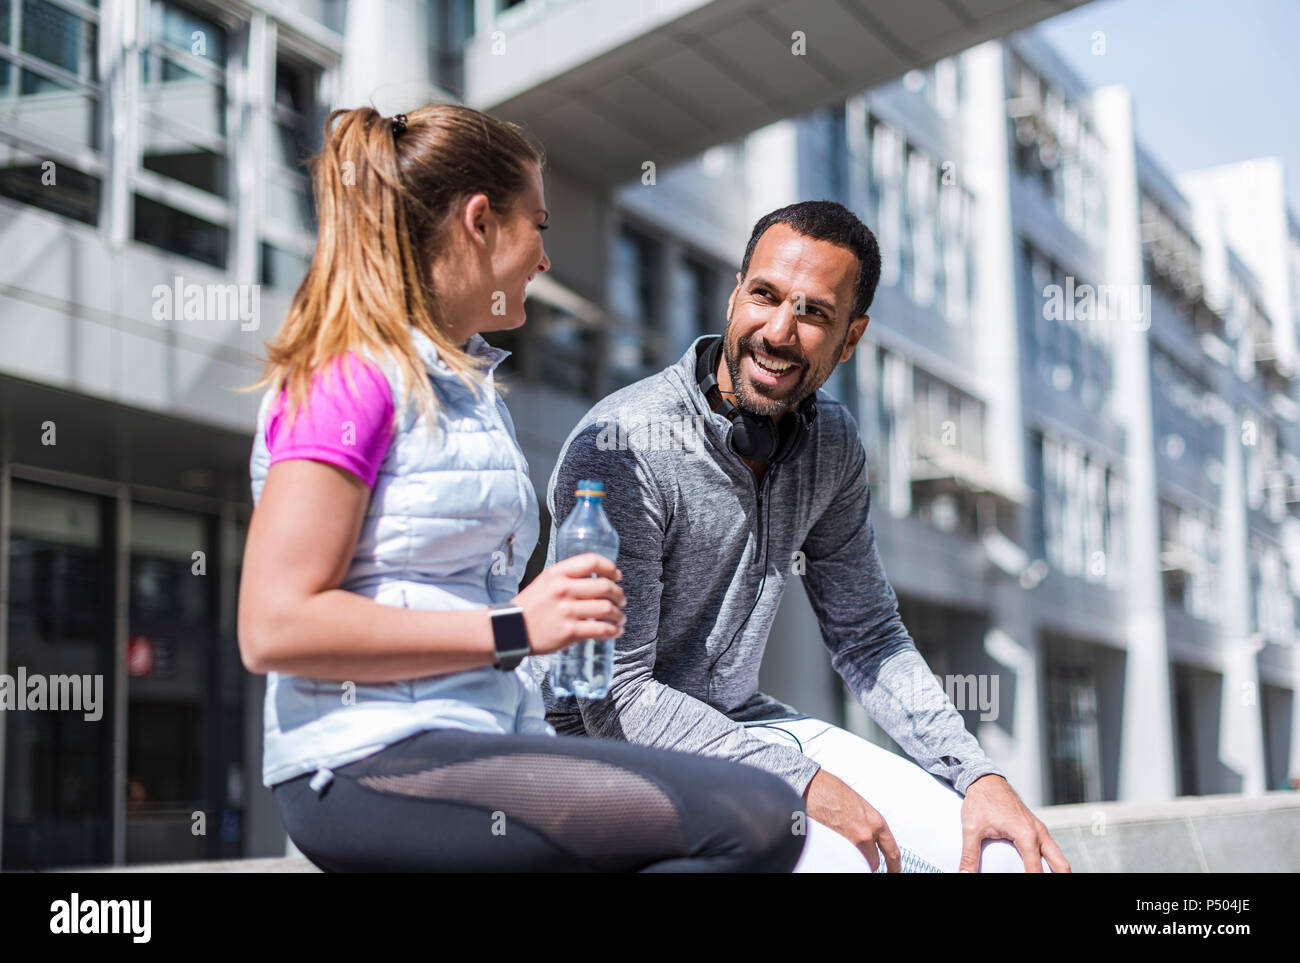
(394, 508)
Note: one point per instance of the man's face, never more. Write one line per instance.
(788, 321)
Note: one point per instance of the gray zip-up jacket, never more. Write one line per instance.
(706, 552)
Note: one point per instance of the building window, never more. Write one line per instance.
(634, 335)
(453, 26)
(1266, 479)
(955, 279)
(51, 98)
(556, 348)
(183, 185)
(181, 233)
(1057, 148)
(695, 300)
(1295, 275)
(929, 443)
(1274, 616)
(183, 99)
(887, 151)
(923, 220)
(1065, 330)
(1084, 505)
(1198, 696)
(290, 223)
(1074, 744)
(1169, 252)
(919, 228)
(940, 84)
(1291, 559)
(1189, 560)
(1189, 418)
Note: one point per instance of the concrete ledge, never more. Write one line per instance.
(277, 864)
(1192, 834)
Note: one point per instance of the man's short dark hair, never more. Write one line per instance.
(833, 222)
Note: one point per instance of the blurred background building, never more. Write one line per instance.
(1097, 517)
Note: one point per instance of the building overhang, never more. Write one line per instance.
(607, 86)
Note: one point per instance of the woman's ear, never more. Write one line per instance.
(478, 220)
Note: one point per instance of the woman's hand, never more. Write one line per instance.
(564, 604)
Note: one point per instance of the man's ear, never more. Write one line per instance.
(857, 328)
(731, 301)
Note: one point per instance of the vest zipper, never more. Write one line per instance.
(520, 474)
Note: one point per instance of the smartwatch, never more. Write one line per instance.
(509, 635)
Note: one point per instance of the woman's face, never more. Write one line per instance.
(517, 256)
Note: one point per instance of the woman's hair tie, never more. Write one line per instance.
(399, 124)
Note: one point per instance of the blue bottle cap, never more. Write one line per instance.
(589, 487)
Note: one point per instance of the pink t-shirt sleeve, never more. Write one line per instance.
(350, 429)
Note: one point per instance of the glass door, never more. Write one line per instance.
(176, 807)
(59, 756)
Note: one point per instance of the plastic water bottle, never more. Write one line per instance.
(584, 668)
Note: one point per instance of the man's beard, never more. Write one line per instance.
(750, 395)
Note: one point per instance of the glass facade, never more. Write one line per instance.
(188, 131)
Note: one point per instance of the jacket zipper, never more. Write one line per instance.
(761, 539)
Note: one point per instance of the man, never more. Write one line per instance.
(709, 524)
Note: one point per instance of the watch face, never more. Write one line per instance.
(510, 634)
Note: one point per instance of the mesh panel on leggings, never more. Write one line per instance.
(591, 808)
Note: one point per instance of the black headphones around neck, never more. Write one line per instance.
(756, 437)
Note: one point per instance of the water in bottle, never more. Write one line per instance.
(584, 668)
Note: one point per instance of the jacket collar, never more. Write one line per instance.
(718, 425)
(476, 347)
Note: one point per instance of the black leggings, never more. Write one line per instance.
(448, 800)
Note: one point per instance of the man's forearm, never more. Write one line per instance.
(650, 713)
(907, 702)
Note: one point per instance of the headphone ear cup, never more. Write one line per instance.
(793, 444)
(796, 435)
(753, 438)
(790, 442)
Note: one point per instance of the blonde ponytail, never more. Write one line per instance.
(383, 199)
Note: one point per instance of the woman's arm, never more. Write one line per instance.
(294, 619)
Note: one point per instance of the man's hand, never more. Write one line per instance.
(992, 810)
(831, 802)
